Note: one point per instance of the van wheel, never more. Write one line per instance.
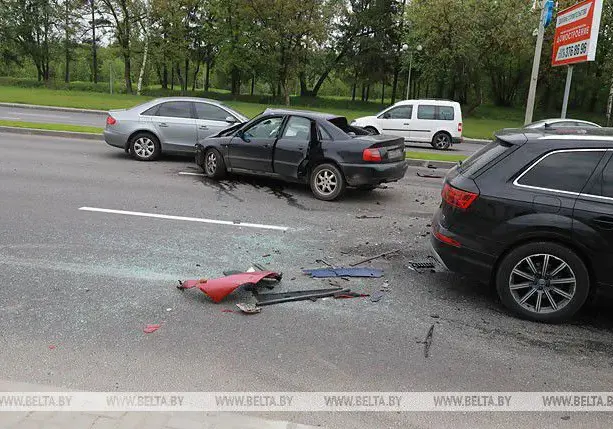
(145, 147)
(372, 130)
(543, 281)
(327, 182)
(441, 141)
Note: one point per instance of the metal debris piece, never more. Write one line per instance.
(430, 176)
(428, 341)
(376, 296)
(299, 295)
(420, 266)
(248, 308)
(323, 261)
(381, 255)
(151, 328)
(343, 295)
(368, 217)
(218, 289)
(321, 273)
(385, 287)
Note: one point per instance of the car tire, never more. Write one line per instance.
(214, 165)
(441, 141)
(524, 289)
(372, 130)
(327, 182)
(145, 147)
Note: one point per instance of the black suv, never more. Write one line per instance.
(532, 212)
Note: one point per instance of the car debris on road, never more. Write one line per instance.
(218, 289)
(321, 273)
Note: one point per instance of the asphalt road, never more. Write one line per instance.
(98, 120)
(88, 282)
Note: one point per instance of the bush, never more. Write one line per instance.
(102, 87)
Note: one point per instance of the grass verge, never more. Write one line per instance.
(434, 156)
(51, 127)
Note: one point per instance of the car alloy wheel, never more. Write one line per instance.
(326, 182)
(542, 283)
(211, 163)
(442, 141)
(144, 147)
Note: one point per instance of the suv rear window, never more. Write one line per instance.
(562, 171)
(482, 157)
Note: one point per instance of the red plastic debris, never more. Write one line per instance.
(51, 347)
(227, 310)
(218, 289)
(151, 328)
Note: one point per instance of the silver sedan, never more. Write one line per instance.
(167, 125)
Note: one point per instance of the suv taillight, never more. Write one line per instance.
(458, 198)
(110, 120)
(459, 127)
(371, 155)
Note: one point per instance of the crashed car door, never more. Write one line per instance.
(251, 148)
(291, 148)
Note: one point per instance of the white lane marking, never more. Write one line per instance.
(11, 117)
(185, 173)
(187, 219)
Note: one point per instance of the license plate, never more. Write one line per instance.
(394, 153)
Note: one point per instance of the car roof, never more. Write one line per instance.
(602, 137)
(427, 100)
(206, 100)
(306, 113)
(556, 120)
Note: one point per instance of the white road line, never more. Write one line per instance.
(185, 173)
(187, 219)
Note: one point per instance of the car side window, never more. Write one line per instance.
(175, 109)
(264, 129)
(298, 129)
(210, 112)
(607, 180)
(323, 134)
(562, 171)
(152, 111)
(426, 111)
(445, 113)
(400, 112)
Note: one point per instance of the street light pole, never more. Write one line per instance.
(535, 68)
(409, 77)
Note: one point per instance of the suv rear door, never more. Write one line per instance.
(593, 220)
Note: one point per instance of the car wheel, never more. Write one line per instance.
(214, 165)
(441, 141)
(145, 147)
(372, 130)
(543, 281)
(327, 182)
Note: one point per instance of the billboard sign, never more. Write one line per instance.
(576, 33)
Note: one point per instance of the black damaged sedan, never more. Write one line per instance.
(320, 149)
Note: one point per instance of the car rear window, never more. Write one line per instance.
(341, 122)
(483, 156)
(562, 171)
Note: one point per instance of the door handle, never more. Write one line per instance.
(203, 127)
(163, 124)
(406, 123)
(604, 222)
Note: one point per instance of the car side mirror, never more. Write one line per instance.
(231, 120)
(243, 136)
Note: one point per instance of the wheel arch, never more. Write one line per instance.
(142, 131)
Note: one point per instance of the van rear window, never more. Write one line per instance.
(483, 156)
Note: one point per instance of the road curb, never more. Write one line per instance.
(476, 141)
(51, 133)
(56, 108)
(430, 163)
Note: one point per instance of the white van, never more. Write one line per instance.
(438, 122)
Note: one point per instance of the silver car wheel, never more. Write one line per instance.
(542, 283)
(211, 163)
(326, 182)
(441, 141)
(144, 147)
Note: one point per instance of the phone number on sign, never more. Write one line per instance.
(571, 51)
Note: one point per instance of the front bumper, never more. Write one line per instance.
(114, 138)
(374, 174)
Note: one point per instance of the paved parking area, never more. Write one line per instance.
(87, 282)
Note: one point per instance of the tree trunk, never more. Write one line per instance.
(610, 103)
(127, 72)
(367, 92)
(164, 76)
(172, 78)
(179, 76)
(395, 82)
(382, 92)
(196, 71)
(139, 86)
(236, 81)
(253, 84)
(207, 80)
(186, 76)
(94, 53)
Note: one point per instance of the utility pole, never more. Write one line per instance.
(535, 66)
(569, 78)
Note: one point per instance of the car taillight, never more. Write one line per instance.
(459, 127)
(458, 198)
(110, 120)
(371, 155)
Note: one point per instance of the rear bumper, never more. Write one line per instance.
(114, 138)
(461, 260)
(456, 140)
(361, 174)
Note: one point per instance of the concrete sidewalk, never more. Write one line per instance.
(128, 420)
